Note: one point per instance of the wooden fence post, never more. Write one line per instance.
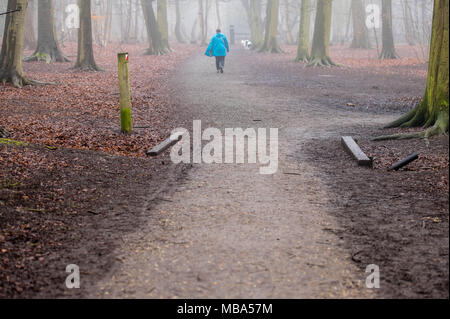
(126, 125)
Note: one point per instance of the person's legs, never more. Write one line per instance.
(218, 63)
(222, 63)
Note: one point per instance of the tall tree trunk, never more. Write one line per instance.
(253, 10)
(321, 39)
(85, 56)
(30, 34)
(219, 20)
(433, 111)
(360, 32)
(12, 47)
(153, 34)
(271, 37)
(388, 51)
(289, 37)
(193, 32)
(163, 25)
(47, 46)
(178, 25)
(304, 31)
(407, 22)
(201, 22)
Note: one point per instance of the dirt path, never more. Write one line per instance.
(229, 232)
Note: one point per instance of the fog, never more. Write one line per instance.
(123, 21)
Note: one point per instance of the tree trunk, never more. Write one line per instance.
(12, 48)
(271, 37)
(388, 51)
(321, 39)
(219, 20)
(360, 32)
(30, 34)
(433, 112)
(47, 46)
(163, 25)
(253, 10)
(289, 37)
(193, 32)
(178, 26)
(201, 22)
(153, 34)
(304, 31)
(85, 56)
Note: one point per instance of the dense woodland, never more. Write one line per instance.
(318, 69)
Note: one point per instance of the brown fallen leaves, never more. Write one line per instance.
(82, 110)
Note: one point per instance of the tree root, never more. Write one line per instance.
(388, 55)
(274, 50)
(302, 59)
(440, 127)
(48, 58)
(314, 62)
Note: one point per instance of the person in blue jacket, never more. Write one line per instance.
(218, 47)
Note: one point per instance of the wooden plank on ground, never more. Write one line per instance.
(172, 140)
(350, 146)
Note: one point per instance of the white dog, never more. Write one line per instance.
(246, 44)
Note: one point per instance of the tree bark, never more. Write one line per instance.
(30, 34)
(271, 44)
(12, 47)
(321, 39)
(201, 23)
(153, 34)
(304, 31)
(360, 32)
(289, 37)
(433, 111)
(178, 24)
(85, 56)
(219, 20)
(163, 25)
(388, 50)
(47, 46)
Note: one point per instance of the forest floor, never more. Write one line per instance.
(80, 193)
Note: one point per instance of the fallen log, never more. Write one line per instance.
(354, 150)
(172, 140)
(404, 162)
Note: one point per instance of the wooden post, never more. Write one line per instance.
(126, 125)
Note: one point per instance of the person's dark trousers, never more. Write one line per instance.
(220, 62)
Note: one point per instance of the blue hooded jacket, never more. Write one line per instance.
(218, 46)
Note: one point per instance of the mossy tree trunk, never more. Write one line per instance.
(178, 24)
(304, 31)
(322, 31)
(153, 34)
(47, 46)
(85, 56)
(388, 50)
(360, 32)
(433, 112)
(12, 47)
(163, 25)
(271, 44)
